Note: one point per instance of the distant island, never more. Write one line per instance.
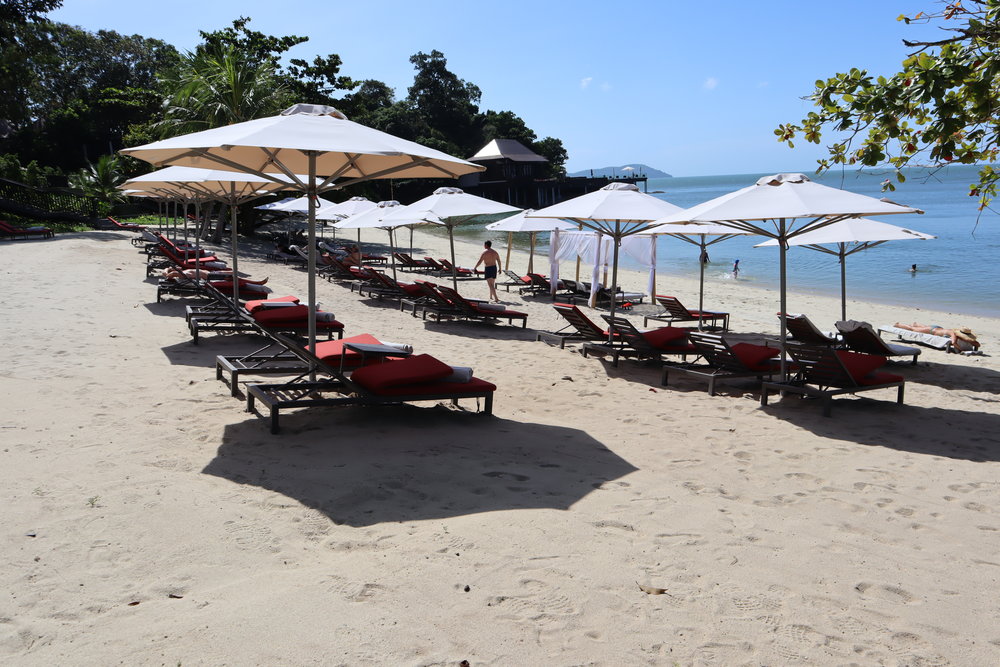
(639, 170)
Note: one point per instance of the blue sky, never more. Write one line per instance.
(691, 88)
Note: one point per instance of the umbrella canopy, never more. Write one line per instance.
(618, 210)
(782, 207)
(275, 204)
(345, 209)
(698, 234)
(519, 222)
(298, 204)
(309, 139)
(229, 187)
(451, 207)
(848, 237)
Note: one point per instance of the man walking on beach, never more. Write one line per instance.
(490, 259)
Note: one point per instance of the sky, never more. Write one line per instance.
(690, 88)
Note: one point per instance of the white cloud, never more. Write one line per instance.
(585, 82)
(605, 87)
(710, 83)
(763, 84)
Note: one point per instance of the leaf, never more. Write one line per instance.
(651, 590)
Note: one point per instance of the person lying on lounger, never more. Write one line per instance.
(962, 338)
(201, 274)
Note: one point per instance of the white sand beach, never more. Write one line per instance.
(149, 520)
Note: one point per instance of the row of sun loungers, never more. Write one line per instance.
(9, 231)
(822, 371)
(359, 370)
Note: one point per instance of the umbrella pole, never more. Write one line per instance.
(311, 266)
(454, 267)
(843, 284)
(197, 243)
(510, 240)
(783, 249)
(184, 213)
(392, 254)
(232, 235)
(531, 255)
(701, 284)
(411, 240)
(614, 278)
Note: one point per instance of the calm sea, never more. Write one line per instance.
(958, 272)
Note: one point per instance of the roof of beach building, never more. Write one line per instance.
(509, 149)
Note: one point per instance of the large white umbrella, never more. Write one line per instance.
(309, 139)
(701, 235)
(450, 207)
(275, 204)
(373, 218)
(848, 237)
(782, 207)
(617, 210)
(519, 222)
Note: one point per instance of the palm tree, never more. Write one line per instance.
(218, 86)
(101, 180)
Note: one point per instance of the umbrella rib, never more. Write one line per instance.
(385, 172)
(272, 158)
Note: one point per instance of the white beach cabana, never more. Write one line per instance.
(848, 237)
(315, 140)
(617, 210)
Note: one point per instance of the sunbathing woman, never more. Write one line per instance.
(962, 338)
(200, 274)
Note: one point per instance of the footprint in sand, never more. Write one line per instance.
(886, 592)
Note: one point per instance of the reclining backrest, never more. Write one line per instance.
(820, 365)
(861, 336)
(579, 320)
(454, 297)
(541, 281)
(716, 351)
(803, 330)
(673, 306)
(624, 328)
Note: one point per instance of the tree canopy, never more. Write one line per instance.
(73, 95)
(942, 106)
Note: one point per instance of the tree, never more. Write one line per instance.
(101, 180)
(943, 105)
(555, 152)
(216, 86)
(447, 106)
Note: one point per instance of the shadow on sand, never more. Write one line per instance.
(404, 463)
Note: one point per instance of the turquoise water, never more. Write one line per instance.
(958, 271)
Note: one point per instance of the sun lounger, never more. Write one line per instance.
(125, 227)
(861, 337)
(460, 271)
(404, 261)
(407, 380)
(823, 372)
(543, 286)
(674, 311)
(514, 280)
(802, 330)
(725, 361)
(583, 328)
(480, 310)
(261, 316)
(10, 231)
(630, 342)
(276, 359)
(930, 340)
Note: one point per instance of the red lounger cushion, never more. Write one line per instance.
(252, 306)
(755, 357)
(861, 366)
(665, 336)
(436, 388)
(246, 290)
(877, 378)
(418, 369)
(411, 289)
(513, 314)
(331, 351)
(272, 316)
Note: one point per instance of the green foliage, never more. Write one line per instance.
(447, 107)
(101, 180)
(32, 174)
(942, 106)
(219, 86)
